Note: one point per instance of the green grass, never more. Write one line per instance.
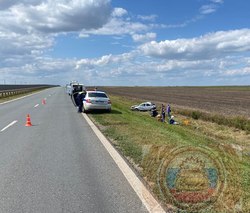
(146, 142)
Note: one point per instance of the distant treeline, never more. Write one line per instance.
(23, 86)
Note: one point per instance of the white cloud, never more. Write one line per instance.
(30, 28)
(58, 15)
(118, 12)
(126, 69)
(39, 70)
(147, 18)
(171, 65)
(203, 12)
(245, 71)
(218, 1)
(29, 31)
(118, 26)
(105, 60)
(144, 38)
(137, 70)
(15, 45)
(211, 8)
(211, 56)
(211, 45)
(5, 4)
(207, 9)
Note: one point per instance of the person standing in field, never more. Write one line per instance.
(169, 111)
(162, 113)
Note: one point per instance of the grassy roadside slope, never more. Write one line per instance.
(148, 143)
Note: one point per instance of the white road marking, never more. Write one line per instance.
(36, 105)
(143, 193)
(9, 125)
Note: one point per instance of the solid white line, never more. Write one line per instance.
(143, 193)
(9, 125)
(36, 106)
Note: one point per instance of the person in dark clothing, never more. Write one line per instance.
(75, 97)
(153, 112)
(172, 121)
(80, 98)
(169, 111)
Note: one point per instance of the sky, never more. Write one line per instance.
(125, 42)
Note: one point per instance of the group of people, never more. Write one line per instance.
(165, 111)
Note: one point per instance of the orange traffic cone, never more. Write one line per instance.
(28, 122)
(43, 101)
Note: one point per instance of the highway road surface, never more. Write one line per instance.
(58, 164)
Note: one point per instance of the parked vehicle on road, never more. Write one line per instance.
(73, 89)
(76, 87)
(146, 106)
(96, 100)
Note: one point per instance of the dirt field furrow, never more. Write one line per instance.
(231, 101)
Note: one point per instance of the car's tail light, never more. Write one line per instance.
(88, 101)
(109, 101)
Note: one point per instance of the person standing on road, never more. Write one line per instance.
(80, 97)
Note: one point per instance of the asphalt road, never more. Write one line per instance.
(58, 164)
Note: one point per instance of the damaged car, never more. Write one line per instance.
(146, 106)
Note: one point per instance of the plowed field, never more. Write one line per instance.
(232, 101)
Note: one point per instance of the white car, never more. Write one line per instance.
(146, 106)
(96, 100)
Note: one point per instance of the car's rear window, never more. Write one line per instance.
(97, 95)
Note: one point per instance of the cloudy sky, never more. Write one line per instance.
(125, 42)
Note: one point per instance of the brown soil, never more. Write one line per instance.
(232, 101)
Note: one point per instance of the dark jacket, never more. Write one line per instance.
(80, 98)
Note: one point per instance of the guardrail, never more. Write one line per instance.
(11, 92)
